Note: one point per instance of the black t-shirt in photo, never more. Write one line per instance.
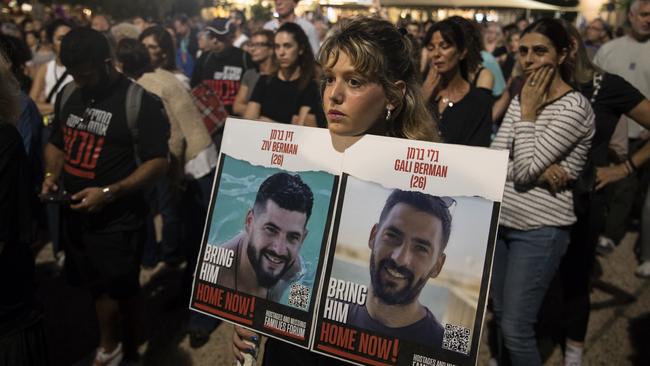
(223, 72)
(99, 147)
(427, 331)
(281, 100)
(615, 97)
(469, 121)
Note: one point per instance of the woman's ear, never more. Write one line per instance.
(563, 56)
(463, 54)
(401, 85)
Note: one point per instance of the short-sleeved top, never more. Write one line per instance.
(251, 76)
(223, 72)
(469, 121)
(628, 58)
(614, 97)
(281, 100)
(99, 148)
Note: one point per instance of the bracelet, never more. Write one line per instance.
(48, 174)
(109, 193)
(629, 169)
(634, 167)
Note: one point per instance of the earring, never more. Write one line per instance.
(388, 113)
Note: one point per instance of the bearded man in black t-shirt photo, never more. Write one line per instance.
(407, 249)
(109, 142)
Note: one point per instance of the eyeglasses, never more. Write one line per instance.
(261, 44)
(594, 28)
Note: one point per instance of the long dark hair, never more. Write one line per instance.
(305, 60)
(166, 44)
(452, 33)
(473, 42)
(134, 57)
(559, 37)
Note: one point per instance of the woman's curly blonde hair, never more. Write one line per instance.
(380, 52)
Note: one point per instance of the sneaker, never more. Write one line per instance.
(572, 355)
(605, 245)
(59, 260)
(109, 359)
(643, 270)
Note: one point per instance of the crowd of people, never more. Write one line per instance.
(104, 126)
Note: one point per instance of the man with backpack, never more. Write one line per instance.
(109, 142)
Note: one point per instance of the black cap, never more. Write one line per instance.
(220, 27)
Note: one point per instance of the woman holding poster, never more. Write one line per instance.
(370, 86)
(550, 123)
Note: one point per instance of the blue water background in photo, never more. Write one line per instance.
(239, 183)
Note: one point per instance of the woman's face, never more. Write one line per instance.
(492, 33)
(353, 105)
(155, 52)
(445, 56)
(513, 44)
(261, 48)
(31, 40)
(59, 33)
(286, 50)
(535, 51)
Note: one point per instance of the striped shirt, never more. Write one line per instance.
(561, 134)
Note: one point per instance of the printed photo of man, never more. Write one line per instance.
(267, 252)
(407, 249)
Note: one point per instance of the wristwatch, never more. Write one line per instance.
(109, 194)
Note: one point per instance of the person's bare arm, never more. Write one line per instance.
(37, 92)
(613, 173)
(54, 159)
(240, 101)
(253, 110)
(641, 114)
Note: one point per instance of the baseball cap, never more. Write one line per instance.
(220, 27)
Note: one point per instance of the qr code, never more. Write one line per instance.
(456, 339)
(299, 296)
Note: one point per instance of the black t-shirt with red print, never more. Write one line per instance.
(99, 147)
(223, 72)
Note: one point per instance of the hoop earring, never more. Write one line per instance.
(388, 113)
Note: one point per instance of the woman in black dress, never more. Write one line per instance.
(464, 112)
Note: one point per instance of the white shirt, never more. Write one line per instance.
(306, 26)
(629, 59)
(240, 40)
(52, 75)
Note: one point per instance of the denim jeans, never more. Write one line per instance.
(164, 196)
(523, 267)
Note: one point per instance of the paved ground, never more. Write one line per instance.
(619, 329)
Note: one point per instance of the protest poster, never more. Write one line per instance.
(410, 256)
(267, 229)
